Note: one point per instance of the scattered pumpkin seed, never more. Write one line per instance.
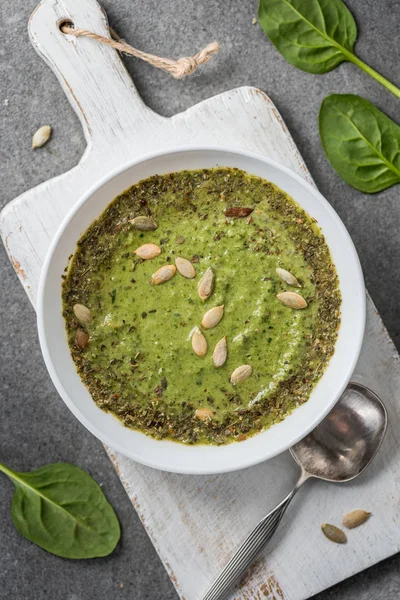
(206, 284)
(163, 274)
(241, 373)
(355, 518)
(144, 223)
(83, 314)
(213, 317)
(204, 414)
(148, 251)
(185, 267)
(41, 136)
(220, 353)
(199, 343)
(292, 300)
(334, 534)
(287, 277)
(81, 339)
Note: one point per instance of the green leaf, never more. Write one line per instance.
(62, 509)
(361, 142)
(313, 35)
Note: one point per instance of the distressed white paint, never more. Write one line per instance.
(196, 522)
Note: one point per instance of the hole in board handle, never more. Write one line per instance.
(65, 23)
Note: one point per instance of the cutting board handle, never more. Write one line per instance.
(92, 75)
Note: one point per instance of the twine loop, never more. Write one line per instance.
(177, 68)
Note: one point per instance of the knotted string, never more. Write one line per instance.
(177, 68)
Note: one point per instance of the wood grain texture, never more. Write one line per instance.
(195, 523)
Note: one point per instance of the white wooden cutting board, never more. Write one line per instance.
(196, 522)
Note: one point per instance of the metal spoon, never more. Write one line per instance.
(338, 450)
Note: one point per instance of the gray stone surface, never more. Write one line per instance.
(35, 426)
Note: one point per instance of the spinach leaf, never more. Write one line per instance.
(62, 509)
(361, 142)
(313, 35)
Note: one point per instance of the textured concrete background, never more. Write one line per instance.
(35, 426)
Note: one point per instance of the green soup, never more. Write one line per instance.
(131, 339)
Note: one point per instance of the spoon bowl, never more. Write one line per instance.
(346, 441)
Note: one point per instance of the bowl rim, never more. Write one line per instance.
(247, 461)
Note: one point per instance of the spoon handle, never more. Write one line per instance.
(250, 548)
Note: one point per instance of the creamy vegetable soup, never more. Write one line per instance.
(202, 306)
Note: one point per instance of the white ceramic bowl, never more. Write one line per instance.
(167, 455)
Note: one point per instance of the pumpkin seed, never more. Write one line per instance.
(81, 339)
(204, 414)
(41, 136)
(206, 284)
(185, 267)
(213, 317)
(144, 223)
(287, 277)
(292, 300)
(83, 314)
(148, 251)
(355, 518)
(334, 534)
(220, 353)
(163, 274)
(199, 343)
(241, 373)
